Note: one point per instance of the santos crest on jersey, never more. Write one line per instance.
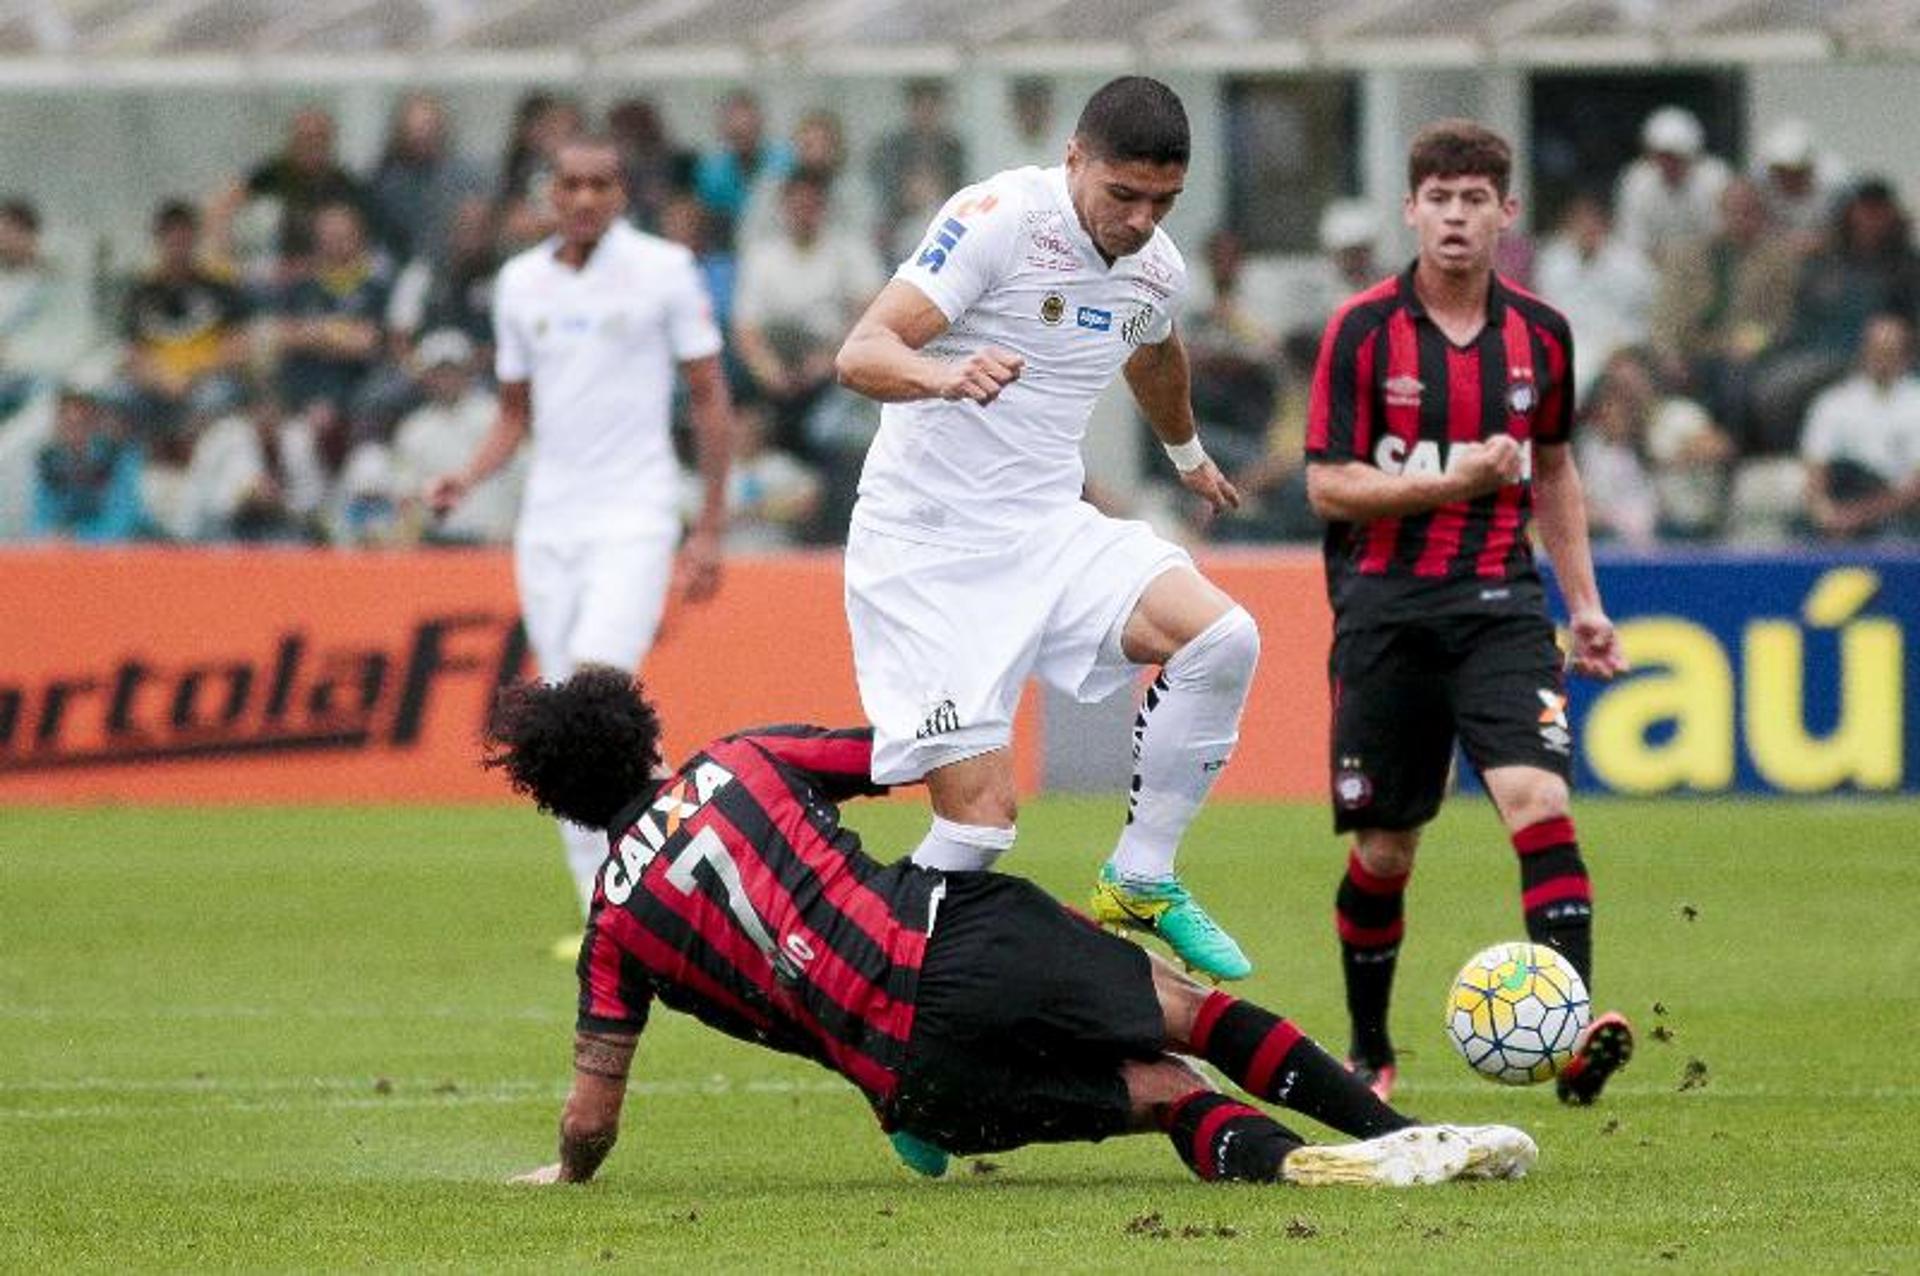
(1009, 264)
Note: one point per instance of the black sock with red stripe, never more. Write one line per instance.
(1555, 892)
(1370, 912)
(1271, 1059)
(1224, 1140)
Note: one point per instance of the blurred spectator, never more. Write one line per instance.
(330, 323)
(687, 222)
(1609, 448)
(1602, 284)
(185, 329)
(657, 170)
(292, 187)
(455, 292)
(925, 147)
(542, 123)
(799, 292)
(1349, 262)
(439, 436)
(87, 476)
(1801, 186)
(420, 182)
(819, 152)
(1862, 441)
(26, 301)
(255, 475)
(1654, 464)
(1234, 357)
(923, 196)
(1871, 269)
(1035, 140)
(1671, 194)
(772, 497)
(1723, 300)
(723, 176)
(1236, 363)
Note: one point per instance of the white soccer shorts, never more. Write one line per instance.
(592, 602)
(945, 638)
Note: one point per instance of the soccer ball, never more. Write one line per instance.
(1514, 1012)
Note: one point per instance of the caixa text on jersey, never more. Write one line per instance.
(291, 695)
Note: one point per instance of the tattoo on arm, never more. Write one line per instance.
(601, 1055)
(591, 1123)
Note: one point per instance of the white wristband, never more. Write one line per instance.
(1187, 457)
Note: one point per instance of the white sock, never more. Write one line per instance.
(961, 848)
(586, 852)
(1182, 737)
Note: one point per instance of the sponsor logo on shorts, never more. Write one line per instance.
(1554, 731)
(1094, 320)
(1053, 308)
(940, 719)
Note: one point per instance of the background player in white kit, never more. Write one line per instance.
(590, 325)
(973, 563)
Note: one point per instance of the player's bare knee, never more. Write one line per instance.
(1387, 852)
(1155, 1085)
(974, 792)
(1180, 997)
(1528, 795)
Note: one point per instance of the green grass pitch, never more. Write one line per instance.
(322, 1038)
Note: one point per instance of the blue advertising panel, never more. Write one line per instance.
(1781, 673)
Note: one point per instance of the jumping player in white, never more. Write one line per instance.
(589, 327)
(973, 562)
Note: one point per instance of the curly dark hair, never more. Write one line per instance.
(581, 749)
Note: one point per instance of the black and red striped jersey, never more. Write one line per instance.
(732, 893)
(1393, 391)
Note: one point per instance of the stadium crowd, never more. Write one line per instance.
(307, 346)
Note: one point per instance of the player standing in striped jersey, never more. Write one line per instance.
(972, 1011)
(1440, 420)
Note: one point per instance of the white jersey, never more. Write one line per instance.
(1009, 264)
(601, 346)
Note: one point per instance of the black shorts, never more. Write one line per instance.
(1403, 693)
(1025, 1013)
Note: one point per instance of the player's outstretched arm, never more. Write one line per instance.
(509, 431)
(1560, 512)
(881, 357)
(591, 1121)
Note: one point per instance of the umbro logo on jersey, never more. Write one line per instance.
(1403, 392)
(1094, 320)
(1053, 308)
(941, 719)
(934, 255)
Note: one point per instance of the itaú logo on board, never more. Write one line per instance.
(296, 696)
(1396, 455)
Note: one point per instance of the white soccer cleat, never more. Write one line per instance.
(1413, 1157)
(1496, 1151)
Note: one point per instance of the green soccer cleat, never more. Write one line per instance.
(918, 1155)
(1165, 909)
